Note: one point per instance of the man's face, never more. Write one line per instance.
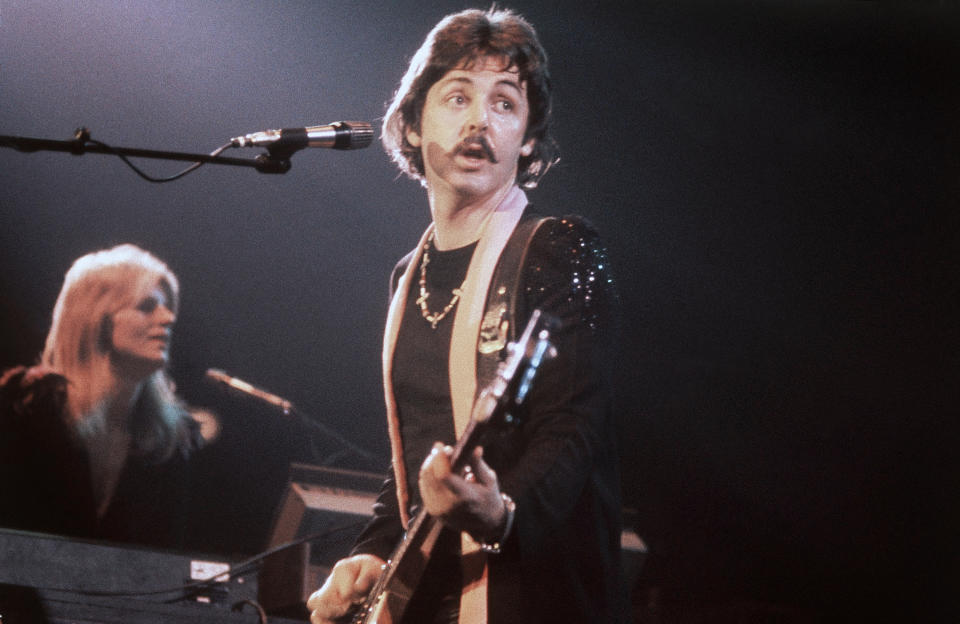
(472, 129)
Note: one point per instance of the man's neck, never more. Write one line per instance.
(459, 221)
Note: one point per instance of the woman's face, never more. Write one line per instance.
(141, 333)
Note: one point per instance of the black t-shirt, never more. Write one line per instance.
(421, 365)
(421, 382)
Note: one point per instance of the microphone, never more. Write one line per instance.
(242, 386)
(342, 135)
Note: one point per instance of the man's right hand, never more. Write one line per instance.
(348, 585)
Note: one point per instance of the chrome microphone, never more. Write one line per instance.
(242, 386)
(341, 135)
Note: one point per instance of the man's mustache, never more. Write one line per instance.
(478, 140)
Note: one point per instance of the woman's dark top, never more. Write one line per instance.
(45, 472)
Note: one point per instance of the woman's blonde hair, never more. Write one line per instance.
(96, 287)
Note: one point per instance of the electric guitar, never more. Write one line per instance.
(495, 406)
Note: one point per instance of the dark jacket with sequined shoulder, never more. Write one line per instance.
(561, 561)
(45, 472)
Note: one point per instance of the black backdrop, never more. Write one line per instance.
(777, 181)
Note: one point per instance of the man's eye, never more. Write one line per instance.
(148, 305)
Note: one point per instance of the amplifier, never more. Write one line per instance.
(330, 504)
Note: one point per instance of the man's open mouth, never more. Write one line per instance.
(477, 148)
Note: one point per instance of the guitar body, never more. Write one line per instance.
(388, 600)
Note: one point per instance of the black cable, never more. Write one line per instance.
(85, 138)
(238, 606)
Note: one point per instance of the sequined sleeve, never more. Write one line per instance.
(562, 461)
(568, 274)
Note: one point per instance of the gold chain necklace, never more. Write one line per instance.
(431, 318)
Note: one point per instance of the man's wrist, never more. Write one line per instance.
(510, 509)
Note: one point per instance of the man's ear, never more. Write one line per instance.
(413, 138)
(527, 148)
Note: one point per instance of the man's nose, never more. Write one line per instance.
(478, 121)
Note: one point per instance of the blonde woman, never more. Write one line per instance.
(93, 441)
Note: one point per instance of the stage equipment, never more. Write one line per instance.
(342, 135)
(49, 579)
(329, 503)
(280, 144)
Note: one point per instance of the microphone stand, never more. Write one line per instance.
(289, 409)
(278, 162)
(347, 444)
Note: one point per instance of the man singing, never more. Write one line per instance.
(532, 525)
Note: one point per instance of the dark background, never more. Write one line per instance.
(778, 184)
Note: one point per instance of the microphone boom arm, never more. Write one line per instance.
(81, 144)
